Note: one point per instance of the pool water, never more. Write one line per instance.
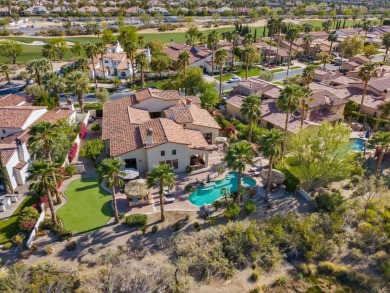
(212, 191)
(357, 144)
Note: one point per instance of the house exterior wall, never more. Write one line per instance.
(155, 105)
(4, 132)
(10, 169)
(203, 130)
(182, 155)
(232, 110)
(141, 157)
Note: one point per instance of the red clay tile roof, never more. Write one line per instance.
(236, 101)
(174, 49)
(325, 97)
(196, 139)
(191, 114)
(381, 84)
(155, 93)
(20, 165)
(16, 117)
(11, 100)
(6, 154)
(138, 116)
(54, 115)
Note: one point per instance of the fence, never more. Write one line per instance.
(304, 194)
(35, 229)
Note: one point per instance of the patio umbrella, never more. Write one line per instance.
(260, 161)
(137, 189)
(277, 177)
(130, 174)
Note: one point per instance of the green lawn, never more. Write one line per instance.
(295, 67)
(277, 70)
(251, 72)
(9, 227)
(88, 207)
(226, 77)
(277, 83)
(148, 83)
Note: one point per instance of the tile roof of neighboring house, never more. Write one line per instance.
(196, 139)
(325, 97)
(323, 115)
(138, 116)
(236, 101)
(173, 50)
(158, 94)
(191, 114)
(6, 154)
(115, 56)
(255, 83)
(192, 99)
(11, 100)
(273, 93)
(352, 63)
(56, 114)
(16, 117)
(381, 84)
(342, 79)
(359, 59)
(370, 101)
(342, 92)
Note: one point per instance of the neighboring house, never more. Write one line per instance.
(256, 86)
(89, 9)
(37, 10)
(135, 10)
(353, 63)
(4, 11)
(378, 86)
(135, 130)
(161, 10)
(324, 76)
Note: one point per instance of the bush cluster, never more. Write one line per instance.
(72, 152)
(62, 233)
(136, 220)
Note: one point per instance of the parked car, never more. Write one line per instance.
(234, 79)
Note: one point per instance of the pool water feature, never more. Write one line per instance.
(358, 144)
(210, 192)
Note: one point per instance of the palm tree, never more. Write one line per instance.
(101, 50)
(291, 36)
(249, 56)
(324, 58)
(250, 109)
(163, 176)
(109, 172)
(142, 62)
(38, 67)
(308, 73)
(366, 72)
(235, 36)
(278, 26)
(49, 52)
(269, 145)
(381, 140)
(82, 64)
(131, 50)
(332, 37)
(288, 102)
(6, 71)
(220, 58)
(55, 83)
(271, 25)
(386, 43)
(212, 40)
(91, 52)
(366, 27)
(44, 176)
(303, 102)
(237, 156)
(183, 61)
(307, 40)
(141, 41)
(78, 83)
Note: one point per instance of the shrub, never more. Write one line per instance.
(291, 182)
(250, 207)
(308, 269)
(70, 170)
(71, 245)
(7, 246)
(28, 218)
(212, 220)
(232, 211)
(62, 233)
(46, 224)
(95, 127)
(72, 152)
(197, 226)
(329, 202)
(189, 169)
(255, 276)
(48, 249)
(143, 229)
(34, 247)
(154, 229)
(216, 204)
(186, 218)
(25, 254)
(255, 290)
(189, 188)
(136, 220)
(385, 269)
(176, 226)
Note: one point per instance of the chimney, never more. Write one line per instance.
(188, 103)
(19, 145)
(383, 72)
(128, 66)
(69, 102)
(149, 136)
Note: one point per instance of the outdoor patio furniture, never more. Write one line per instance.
(256, 174)
(137, 192)
(169, 199)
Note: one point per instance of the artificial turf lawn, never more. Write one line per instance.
(88, 207)
(9, 227)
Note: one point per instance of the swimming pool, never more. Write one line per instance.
(212, 191)
(358, 144)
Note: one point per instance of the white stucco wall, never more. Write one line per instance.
(155, 105)
(35, 115)
(4, 132)
(140, 156)
(182, 155)
(10, 169)
(203, 129)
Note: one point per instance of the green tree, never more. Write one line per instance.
(249, 57)
(221, 57)
(326, 25)
(38, 68)
(77, 49)
(107, 36)
(91, 52)
(49, 52)
(11, 49)
(381, 140)
(307, 40)
(237, 156)
(366, 72)
(102, 95)
(160, 63)
(92, 149)
(367, 25)
(386, 43)
(271, 25)
(250, 109)
(192, 34)
(4, 69)
(54, 83)
(351, 46)
(324, 58)
(212, 41)
(142, 62)
(308, 73)
(163, 176)
(109, 172)
(78, 83)
(332, 37)
(101, 50)
(131, 51)
(60, 47)
(183, 61)
(270, 145)
(278, 26)
(128, 34)
(291, 36)
(304, 95)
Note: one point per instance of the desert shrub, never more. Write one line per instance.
(370, 238)
(95, 127)
(189, 169)
(212, 220)
(197, 226)
(71, 245)
(356, 254)
(255, 276)
(189, 188)
(250, 207)
(154, 229)
(136, 220)
(329, 202)
(7, 246)
(187, 217)
(46, 224)
(34, 247)
(144, 229)
(62, 233)
(70, 170)
(232, 211)
(216, 205)
(385, 270)
(308, 269)
(176, 226)
(255, 290)
(25, 254)
(48, 250)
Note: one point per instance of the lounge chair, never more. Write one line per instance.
(169, 199)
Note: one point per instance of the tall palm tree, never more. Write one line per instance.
(332, 37)
(307, 40)
(237, 156)
(55, 83)
(109, 172)
(220, 58)
(212, 40)
(386, 43)
(6, 71)
(44, 176)
(78, 83)
(49, 52)
(288, 102)
(163, 176)
(250, 109)
(82, 64)
(101, 50)
(366, 72)
(249, 57)
(131, 51)
(366, 27)
(324, 58)
(141, 41)
(279, 26)
(38, 68)
(291, 36)
(142, 62)
(269, 144)
(183, 61)
(235, 36)
(381, 140)
(308, 73)
(303, 102)
(271, 25)
(91, 52)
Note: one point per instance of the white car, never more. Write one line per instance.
(234, 79)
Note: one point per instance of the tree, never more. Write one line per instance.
(320, 155)
(326, 25)
(183, 61)
(324, 58)
(249, 57)
(128, 34)
(4, 69)
(288, 102)
(142, 62)
(308, 73)
(49, 52)
(380, 140)
(303, 102)
(291, 36)
(307, 40)
(212, 40)
(131, 51)
(78, 83)
(92, 149)
(237, 156)
(351, 46)
(44, 176)
(270, 145)
(102, 95)
(369, 50)
(109, 172)
(77, 49)
(235, 36)
(220, 58)
(366, 72)
(192, 34)
(332, 37)
(108, 37)
(271, 25)
(386, 43)
(160, 63)
(91, 52)
(266, 75)
(278, 27)
(60, 47)
(101, 50)
(54, 83)
(163, 176)
(81, 64)
(11, 49)
(141, 41)
(366, 27)
(250, 109)
(38, 68)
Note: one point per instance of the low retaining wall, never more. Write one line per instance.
(35, 229)
(304, 194)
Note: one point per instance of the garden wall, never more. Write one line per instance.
(35, 229)
(304, 194)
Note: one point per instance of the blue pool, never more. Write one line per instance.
(212, 191)
(358, 144)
